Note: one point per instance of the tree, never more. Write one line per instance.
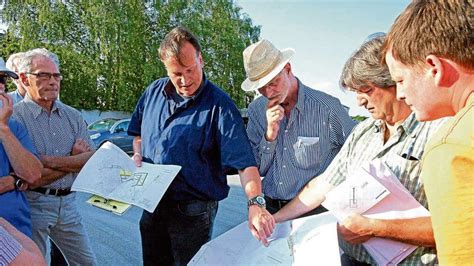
(108, 49)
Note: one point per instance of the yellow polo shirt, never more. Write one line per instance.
(448, 176)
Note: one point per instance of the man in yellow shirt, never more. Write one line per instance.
(430, 53)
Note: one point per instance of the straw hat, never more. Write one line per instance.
(262, 62)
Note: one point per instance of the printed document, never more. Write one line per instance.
(374, 191)
(112, 174)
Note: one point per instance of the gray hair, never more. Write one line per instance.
(364, 67)
(25, 62)
(13, 61)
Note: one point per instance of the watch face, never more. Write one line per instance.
(260, 200)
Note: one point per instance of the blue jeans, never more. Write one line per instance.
(58, 218)
(175, 232)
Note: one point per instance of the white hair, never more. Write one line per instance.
(13, 61)
(25, 62)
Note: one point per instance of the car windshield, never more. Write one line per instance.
(104, 124)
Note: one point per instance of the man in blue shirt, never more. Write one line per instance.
(17, 162)
(188, 121)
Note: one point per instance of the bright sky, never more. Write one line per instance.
(324, 34)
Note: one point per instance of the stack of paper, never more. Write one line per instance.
(376, 192)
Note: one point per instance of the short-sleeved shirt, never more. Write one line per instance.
(306, 144)
(53, 133)
(13, 204)
(402, 153)
(9, 247)
(204, 134)
(448, 174)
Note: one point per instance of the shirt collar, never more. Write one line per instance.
(301, 94)
(36, 109)
(408, 125)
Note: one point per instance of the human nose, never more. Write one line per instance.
(400, 93)
(361, 101)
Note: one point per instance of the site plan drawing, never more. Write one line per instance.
(112, 174)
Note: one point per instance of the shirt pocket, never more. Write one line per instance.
(307, 152)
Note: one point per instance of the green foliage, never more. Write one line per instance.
(359, 118)
(108, 49)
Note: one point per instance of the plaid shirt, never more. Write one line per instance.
(9, 247)
(365, 144)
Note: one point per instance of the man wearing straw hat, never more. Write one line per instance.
(295, 131)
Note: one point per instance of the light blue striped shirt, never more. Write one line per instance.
(9, 247)
(306, 144)
(53, 133)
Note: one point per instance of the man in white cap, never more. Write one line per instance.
(18, 165)
(295, 131)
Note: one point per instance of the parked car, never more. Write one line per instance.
(113, 130)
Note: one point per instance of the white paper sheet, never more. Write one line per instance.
(112, 174)
(393, 202)
(312, 239)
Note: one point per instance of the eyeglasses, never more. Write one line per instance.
(46, 75)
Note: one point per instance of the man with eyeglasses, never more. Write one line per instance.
(18, 164)
(60, 136)
(295, 131)
(391, 135)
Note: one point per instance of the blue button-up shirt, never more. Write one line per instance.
(13, 204)
(204, 134)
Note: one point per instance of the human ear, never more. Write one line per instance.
(441, 70)
(24, 79)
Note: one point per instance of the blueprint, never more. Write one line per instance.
(306, 241)
(112, 174)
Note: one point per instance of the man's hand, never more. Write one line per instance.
(261, 223)
(275, 113)
(80, 146)
(356, 229)
(137, 158)
(6, 110)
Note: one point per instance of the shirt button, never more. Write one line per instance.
(284, 166)
(280, 183)
(57, 151)
(284, 149)
(286, 130)
(54, 134)
(268, 148)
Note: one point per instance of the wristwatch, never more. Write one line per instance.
(258, 200)
(18, 182)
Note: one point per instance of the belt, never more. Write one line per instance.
(275, 203)
(54, 192)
